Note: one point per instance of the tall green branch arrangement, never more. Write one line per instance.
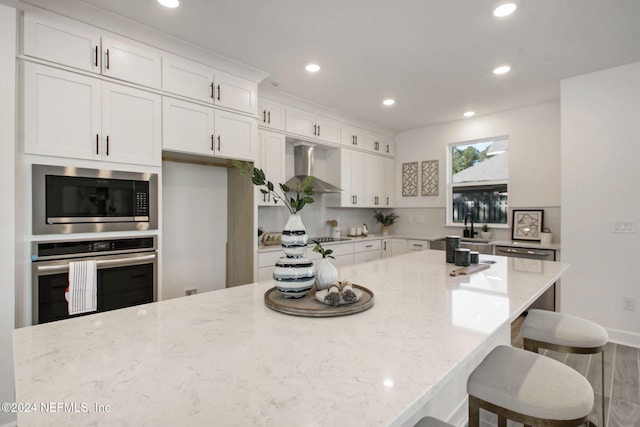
(303, 190)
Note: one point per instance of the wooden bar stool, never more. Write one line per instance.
(432, 422)
(565, 334)
(528, 388)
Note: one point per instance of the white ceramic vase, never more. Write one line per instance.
(294, 274)
(326, 273)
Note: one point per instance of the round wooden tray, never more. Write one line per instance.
(311, 307)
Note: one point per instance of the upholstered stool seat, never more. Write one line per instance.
(528, 388)
(564, 333)
(432, 422)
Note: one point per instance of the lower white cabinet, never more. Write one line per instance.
(417, 245)
(75, 116)
(367, 250)
(398, 246)
(387, 248)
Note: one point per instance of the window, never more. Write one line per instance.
(478, 181)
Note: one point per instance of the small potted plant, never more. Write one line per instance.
(485, 233)
(326, 272)
(385, 220)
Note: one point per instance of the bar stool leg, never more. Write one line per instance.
(474, 412)
(502, 421)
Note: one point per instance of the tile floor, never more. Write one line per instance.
(622, 382)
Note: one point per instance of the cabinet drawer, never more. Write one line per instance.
(365, 256)
(417, 245)
(369, 245)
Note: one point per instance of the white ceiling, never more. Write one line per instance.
(434, 57)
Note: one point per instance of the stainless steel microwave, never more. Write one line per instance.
(76, 200)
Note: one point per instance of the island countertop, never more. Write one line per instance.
(223, 358)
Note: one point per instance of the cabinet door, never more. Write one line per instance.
(236, 136)
(374, 143)
(417, 245)
(187, 127)
(389, 147)
(374, 177)
(235, 93)
(366, 256)
(125, 59)
(352, 136)
(272, 162)
(300, 123)
(271, 115)
(187, 78)
(61, 113)
(389, 183)
(398, 246)
(328, 130)
(357, 178)
(131, 125)
(62, 41)
(387, 248)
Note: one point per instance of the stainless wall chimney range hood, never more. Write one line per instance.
(303, 167)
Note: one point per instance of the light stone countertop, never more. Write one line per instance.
(223, 358)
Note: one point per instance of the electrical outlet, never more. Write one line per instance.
(191, 292)
(629, 303)
(623, 226)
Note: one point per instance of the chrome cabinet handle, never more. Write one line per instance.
(63, 268)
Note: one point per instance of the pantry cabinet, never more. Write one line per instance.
(202, 83)
(75, 116)
(74, 44)
(312, 126)
(197, 129)
(271, 159)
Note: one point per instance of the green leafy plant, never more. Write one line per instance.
(326, 253)
(303, 190)
(485, 228)
(385, 220)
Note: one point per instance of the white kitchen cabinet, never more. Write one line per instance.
(312, 126)
(68, 42)
(367, 250)
(389, 147)
(61, 40)
(352, 166)
(131, 61)
(375, 175)
(200, 82)
(353, 137)
(187, 127)
(398, 246)
(387, 248)
(417, 245)
(271, 159)
(131, 125)
(236, 136)
(389, 199)
(374, 143)
(271, 115)
(75, 116)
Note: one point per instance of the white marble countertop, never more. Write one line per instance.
(223, 358)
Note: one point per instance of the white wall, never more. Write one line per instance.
(194, 228)
(7, 214)
(600, 176)
(534, 159)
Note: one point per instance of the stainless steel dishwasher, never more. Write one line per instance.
(547, 301)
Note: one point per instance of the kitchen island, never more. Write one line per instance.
(223, 358)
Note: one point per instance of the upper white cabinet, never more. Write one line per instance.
(375, 174)
(312, 126)
(389, 147)
(271, 115)
(353, 137)
(72, 43)
(197, 129)
(352, 169)
(62, 41)
(271, 159)
(389, 199)
(194, 80)
(75, 116)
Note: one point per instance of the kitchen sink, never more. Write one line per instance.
(479, 245)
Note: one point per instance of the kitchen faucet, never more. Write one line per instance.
(468, 233)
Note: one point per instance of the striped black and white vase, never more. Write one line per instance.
(294, 273)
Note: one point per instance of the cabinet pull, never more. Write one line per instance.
(96, 55)
(315, 127)
(353, 140)
(417, 246)
(368, 246)
(218, 142)
(213, 148)
(107, 55)
(356, 140)
(387, 148)
(387, 200)
(107, 145)
(264, 116)
(269, 117)
(385, 245)
(212, 91)
(218, 92)
(356, 196)
(97, 144)
(318, 130)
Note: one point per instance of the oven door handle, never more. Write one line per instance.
(519, 252)
(107, 263)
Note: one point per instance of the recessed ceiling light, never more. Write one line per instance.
(503, 69)
(389, 101)
(504, 10)
(170, 3)
(470, 114)
(312, 68)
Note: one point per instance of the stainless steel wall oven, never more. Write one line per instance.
(126, 274)
(76, 200)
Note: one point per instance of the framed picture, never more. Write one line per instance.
(526, 224)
